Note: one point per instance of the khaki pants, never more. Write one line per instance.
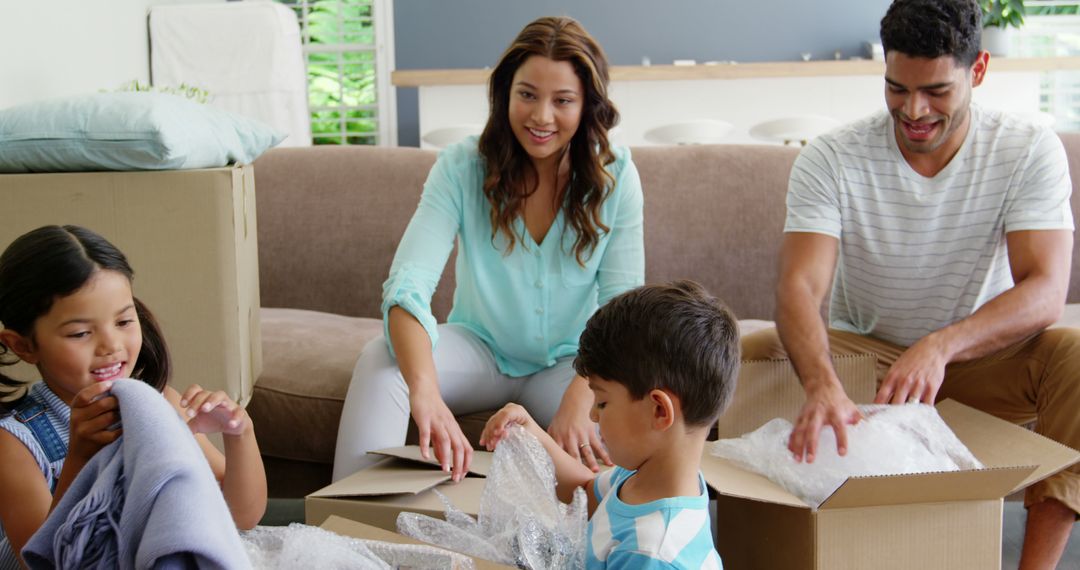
(1033, 380)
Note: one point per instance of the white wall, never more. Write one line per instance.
(56, 48)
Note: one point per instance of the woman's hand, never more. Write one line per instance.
(213, 412)
(95, 418)
(439, 429)
(574, 431)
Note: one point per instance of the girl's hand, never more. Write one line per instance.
(574, 431)
(213, 412)
(495, 428)
(438, 428)
(94, 418)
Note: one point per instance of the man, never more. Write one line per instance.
(947, 233)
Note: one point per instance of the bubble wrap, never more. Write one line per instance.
(303, 546)
(521, 522)
(891, 440)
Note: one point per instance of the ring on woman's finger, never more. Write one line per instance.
(584, 445)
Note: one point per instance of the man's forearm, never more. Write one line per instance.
(1029, 307)
(805, 336)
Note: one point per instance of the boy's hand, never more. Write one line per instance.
(213, 412)
(93, 412)
(509, 415)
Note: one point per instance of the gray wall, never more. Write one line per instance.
(438, 34)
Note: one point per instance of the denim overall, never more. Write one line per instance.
(32, 414)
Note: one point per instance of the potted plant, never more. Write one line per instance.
(999, 16)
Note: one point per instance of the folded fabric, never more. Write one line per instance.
(147, 500)
(127, 131)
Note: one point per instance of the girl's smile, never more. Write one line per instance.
(89, 336)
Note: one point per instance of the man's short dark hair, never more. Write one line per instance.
(933, 28)
(673, 337)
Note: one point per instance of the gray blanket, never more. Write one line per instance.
(148, 500)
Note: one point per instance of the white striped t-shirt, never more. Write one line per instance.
(917, 254)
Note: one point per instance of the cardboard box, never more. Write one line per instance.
(190, 236)
(355, 529)
(928, 520)
(401, 482)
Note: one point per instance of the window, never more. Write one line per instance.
(1052, 29)
(348, 45)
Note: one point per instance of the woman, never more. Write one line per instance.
(548, 218)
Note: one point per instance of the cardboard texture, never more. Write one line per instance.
(190, 236)
(480, 465)
(930, 520)
(401, 482)
(355, 529)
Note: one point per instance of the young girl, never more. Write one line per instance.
(66, 307)
(547, 216)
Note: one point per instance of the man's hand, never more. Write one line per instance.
(916, 376)
(440, 430)
(825, 405)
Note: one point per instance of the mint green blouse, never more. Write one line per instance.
(530, 305)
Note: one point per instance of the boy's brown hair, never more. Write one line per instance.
(674, 337)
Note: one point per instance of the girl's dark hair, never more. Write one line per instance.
(53, 262)
(511, 176)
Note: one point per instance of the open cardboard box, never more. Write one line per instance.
(190, 235)
(355, 529)
(401, 482)
(928, 520)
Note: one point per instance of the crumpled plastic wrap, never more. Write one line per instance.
(891, 440)
(303, 546)
(521, 522)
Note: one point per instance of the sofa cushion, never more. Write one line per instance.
(308, 359)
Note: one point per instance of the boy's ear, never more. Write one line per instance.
(664, 408)
(22, 346)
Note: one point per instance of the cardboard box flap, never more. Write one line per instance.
(769, 389)
(481, 461)
(940, 487)
(391, 476)
(728, 479)
(998, 443)
(346, 527)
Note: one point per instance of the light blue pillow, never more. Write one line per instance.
(127, 131)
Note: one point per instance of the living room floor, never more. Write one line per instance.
(284, 511)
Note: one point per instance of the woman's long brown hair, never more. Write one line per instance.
(511, 176)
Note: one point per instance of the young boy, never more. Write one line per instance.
(661, 362)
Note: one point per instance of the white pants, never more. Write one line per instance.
(376, 413)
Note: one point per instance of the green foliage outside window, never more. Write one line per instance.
(1052, 10)
(339, 37)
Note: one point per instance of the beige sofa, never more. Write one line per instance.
(329, 221)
